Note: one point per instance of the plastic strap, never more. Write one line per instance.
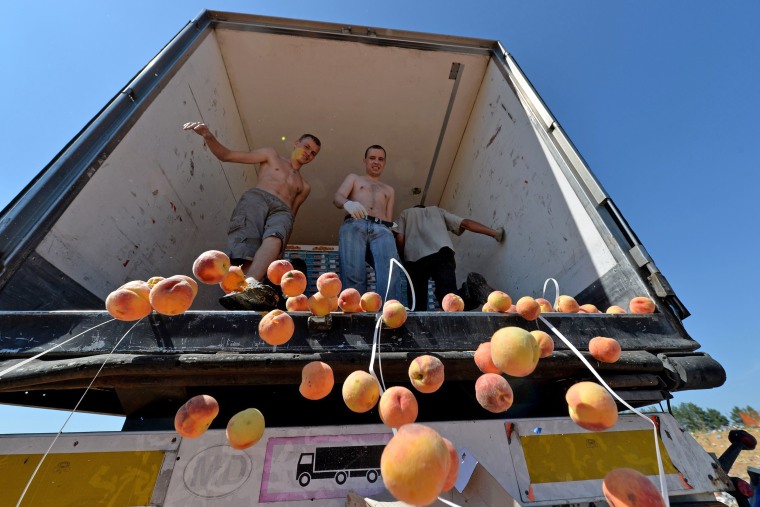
(31, 478)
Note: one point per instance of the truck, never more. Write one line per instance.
(133, 196)
(340, 463)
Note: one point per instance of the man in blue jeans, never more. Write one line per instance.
(365, 235)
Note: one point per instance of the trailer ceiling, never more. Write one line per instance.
(352, 96)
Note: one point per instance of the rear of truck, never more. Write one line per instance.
(134, 196)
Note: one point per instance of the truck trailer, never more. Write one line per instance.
(133, 196)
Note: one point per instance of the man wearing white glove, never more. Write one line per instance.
(365, 234)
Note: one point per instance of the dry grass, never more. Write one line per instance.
(717, 442)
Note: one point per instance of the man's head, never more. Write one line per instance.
(374, 160)
(306, 148)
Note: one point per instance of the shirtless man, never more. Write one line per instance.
(365, 235)
(263, 218)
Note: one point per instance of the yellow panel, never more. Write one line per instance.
(587, 456)
(76, 479)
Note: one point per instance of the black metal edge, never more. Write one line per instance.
(352, 33)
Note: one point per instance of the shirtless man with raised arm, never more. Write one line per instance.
(365, 235)
(263, 218)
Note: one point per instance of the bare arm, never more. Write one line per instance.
(225, 154)
(344, 190)
(300, 198)
(473, 226)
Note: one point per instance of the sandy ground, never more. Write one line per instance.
(717, 442)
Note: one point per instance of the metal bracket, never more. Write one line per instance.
(323, 323)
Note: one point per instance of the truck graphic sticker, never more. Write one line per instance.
(328, 466)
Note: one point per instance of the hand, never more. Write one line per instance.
(355, 209)
(499, 234)
(199, 128)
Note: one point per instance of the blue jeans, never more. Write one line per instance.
(361, 242)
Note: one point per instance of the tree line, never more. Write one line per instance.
(694, 418)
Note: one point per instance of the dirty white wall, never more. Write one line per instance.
(504, 176)
(161, 197)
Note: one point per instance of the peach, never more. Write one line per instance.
(606, 350)
(545, 343)
(528, 308)
(371, 302)
(276, 327)
(299, 303)
(453, 475)
(591, 407)
(190, 281)
(452, 303)
(234, 280)
(415, 464)
(139, 287)
(173, 295)
(614, 309)
(195, 416)
(483, 359)
(131, 301)
(350, 301)
(514, 351)
(567, 304)
(641, 304)
(493, 393)
(488, 308)
(512, 309)
(626, 487)
(316, 380)
(545, 304)
(360, 391)
(153, 280)
(319, 304)
(329, 284)
(333, 302)
(397, 407)
(245, 428)
(293, 283)
(588, 308)
(394, 314)
(211, 266)
(426, 373)
(276, 269)
(499, 301)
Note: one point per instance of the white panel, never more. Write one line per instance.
(503, 176)
(161, 198)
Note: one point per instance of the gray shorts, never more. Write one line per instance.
(258, 215)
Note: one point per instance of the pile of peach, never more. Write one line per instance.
(417, 464)
(174, 295)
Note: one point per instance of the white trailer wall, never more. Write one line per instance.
(161, 198)
(504, 174)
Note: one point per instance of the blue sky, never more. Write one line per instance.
(660, 98)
